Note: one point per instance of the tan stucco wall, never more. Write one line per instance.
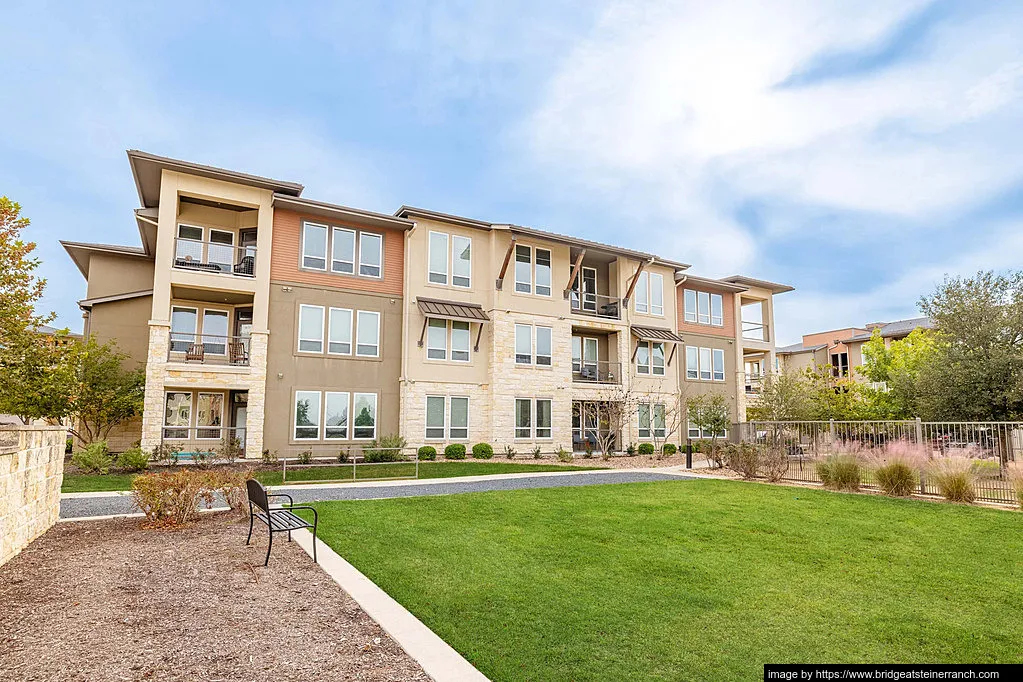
(110, 275)
(730, 387)
(31, 472)
(125, 322)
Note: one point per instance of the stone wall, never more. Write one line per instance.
(31, 472)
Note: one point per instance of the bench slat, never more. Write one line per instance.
(282, 520)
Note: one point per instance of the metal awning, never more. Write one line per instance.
(655, 334)
(452, 310)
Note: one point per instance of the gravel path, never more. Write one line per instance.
(101, 506)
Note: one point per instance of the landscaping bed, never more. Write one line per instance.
(703, 579)
(108, 601)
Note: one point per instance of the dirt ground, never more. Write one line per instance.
(106, 600)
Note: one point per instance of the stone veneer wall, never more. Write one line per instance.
(31, 473)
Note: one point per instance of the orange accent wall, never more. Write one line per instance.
(285, 256)
(727, 310)
(830, 337)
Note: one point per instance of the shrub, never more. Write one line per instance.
(955, 477)
(742, 458)
(482, 451)
(204, 459)
(646, 448)
(230, 483)
(270, 457)
(564, 455)
(630, 450)
(305, 457)
(897, 478)
(1015, 475)
(588, 449)
(774, 463)
(230, 448)
(840, 472)
(715, 452)
(69, 445)
(454, 451)
(509, 452)
(165, 452)
(133, 459)
(343, 456)
(669, 449)
(171, 498)
(427, 452)
(537, 452)
(385, 449)
(94, 459)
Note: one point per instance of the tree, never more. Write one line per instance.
(20, 289)
(976, 369)
(616, 408)
(709, 413)
(92, 389)
(896, 368)
(783, 396)
(32, 366)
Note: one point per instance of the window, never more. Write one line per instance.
(643, 358)
(692, 362)
(719, 364)
(188, 246)
(339, 339)
(642, 293)
(659, 429)
(310, 329)
(544, 344)
(657, 353)
(458, 428)
(183, 321)
(437, 339)
(343, 252)
(690, 305)
(364, 407)
(840, 364)
(370, 254)
(523, 344)
(335, 415)
(220, 250)
(435, 416)
(177, 413)
(656, 293)
(529, 412)
(650, 358)
(307, 415)
(705, 364)
(438, 258)
(459, 341)
(314, 246)
(543, 272)
(190, 232)
(461, 261)
(523, 418)
(209, 415)
(716, 314)
(523, 270)
(647, 410)
(367, 342)
(644, 420)
(695, 432)
(703, 311)
(214, 332)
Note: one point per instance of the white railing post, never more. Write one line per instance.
(919, 431)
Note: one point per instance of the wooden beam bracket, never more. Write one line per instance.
(575, 272)
(504, 266)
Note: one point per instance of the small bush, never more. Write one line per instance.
(482, 451)
(133, 459)
(509, 452)
(69, 445)
(230, 448)
(537, 452)
(646, 448)
(588, 449)
(171, 498)
(385, 449)
(955, 477)
(669, 449)
(427, 452)
(343, 456)
(305, 457)
(630, 450)
(1015, 475)
(94, 459)
(715, 452)
(774, 463)
(270, 457)
(454, 451)
(742, 458)
(564, 455)
(840, 472)
(896, 478)
(165, 453)
(204, 459)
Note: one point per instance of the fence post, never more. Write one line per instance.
(689, 453)
(919, 432)
(831, 431)
(284, 473)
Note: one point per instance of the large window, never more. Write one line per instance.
(339, 340)
(533, 274)
(438, 258)
(523, 344)
(651, 420)
(692, 362)
(343, 258)
(649, 295)
(643, 358)
(533, 418)
(461, 261)
(544, 346)
(459, 341)
(371, 254)
(183, 328)
(335, 415)
(364, 409)
(307, 415)
(367, 342)
(214, 331)
(177, 413)
(523, 269)
(719, 364)
(705, 364)
(314, 246)
(310, 328)
(209, 415)
(534, 345)
(650, 358)
(447, 417)
(543, 272)
(702, 307)
(342, 244)
(437, 339)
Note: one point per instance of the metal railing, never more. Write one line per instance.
(593, 438)
(214, 442)
(192, 254)
(754, 331)
(753, 382)
(208, 349)
(596, 305)
(992, 446)
(600, 372)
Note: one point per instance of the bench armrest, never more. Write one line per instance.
(291, 500)
(316, 517)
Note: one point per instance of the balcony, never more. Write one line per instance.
(754, 383)
(207, 349)
(214, 257)
(754, 331)
(596, 305)
(599, 372)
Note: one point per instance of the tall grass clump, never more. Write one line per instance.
(1015, 473)
(898, 466)
(955, 477)
(841, 470)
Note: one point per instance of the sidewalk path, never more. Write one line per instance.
(79, 505)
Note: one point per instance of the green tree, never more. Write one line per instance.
(783, 396)
(709, 413)
(20, 289)
(976, 370)
(896, 367)
(32, 367)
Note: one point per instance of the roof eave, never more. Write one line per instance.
(339, 212)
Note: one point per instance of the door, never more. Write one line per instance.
(220, 250)
(589, 365)
(590, 289)
(239, 425)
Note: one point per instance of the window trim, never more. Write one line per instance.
(351, 331)
(326, 247)
(430, 272)
(550, 266)
(294, 416)
(298, 346)
(455, 259)
(334, 229)
(432, 323)
(358, 327)
(191, 415)
(376, 415)
(348, 413)
(515, 274)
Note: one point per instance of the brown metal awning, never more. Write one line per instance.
(655, 334)
(452, 310)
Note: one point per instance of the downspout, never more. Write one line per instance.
(403, 374)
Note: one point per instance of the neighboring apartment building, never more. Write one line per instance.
(841, 350)
(294, 324)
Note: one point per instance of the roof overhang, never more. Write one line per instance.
(656, 334)
(147, 169)
(86, 304)
(708, 283)
(452, 310)
(341, 213)
(773, 287)
(82, 252)
(411, 212)
(796, 351)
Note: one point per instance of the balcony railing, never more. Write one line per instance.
(208, 349)
(754, 383)
(592, 439)
(596, 305)
(211, 443)
(754, 331)
(191, 254)
(597, 372)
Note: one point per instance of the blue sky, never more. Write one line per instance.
(859, 151)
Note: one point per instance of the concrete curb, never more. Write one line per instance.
(437, 658)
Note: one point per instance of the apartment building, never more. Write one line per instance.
(840, 351)
(291, 324)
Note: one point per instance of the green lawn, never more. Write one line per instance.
(692, 580)
(80, 483)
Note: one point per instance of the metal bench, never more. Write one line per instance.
(277, 520)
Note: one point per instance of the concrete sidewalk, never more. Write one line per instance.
(81, 505)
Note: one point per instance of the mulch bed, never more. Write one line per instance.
(106, 600)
